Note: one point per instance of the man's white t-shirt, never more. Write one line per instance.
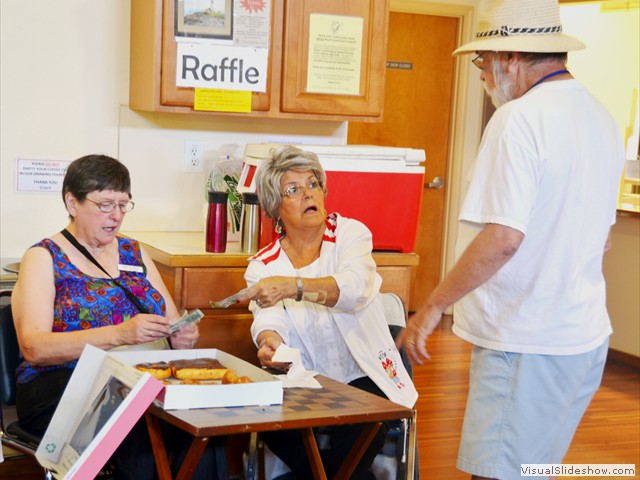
(549, 166)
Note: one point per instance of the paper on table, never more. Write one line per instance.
(297, 376)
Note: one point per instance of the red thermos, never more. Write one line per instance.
(216, 234)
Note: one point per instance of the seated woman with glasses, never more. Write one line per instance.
(315, 288)
(89, 285)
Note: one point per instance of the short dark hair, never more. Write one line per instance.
(95, 173)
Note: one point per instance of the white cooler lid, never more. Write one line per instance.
(340, 158)
(404, 156)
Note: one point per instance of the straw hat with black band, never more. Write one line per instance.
(520, 26)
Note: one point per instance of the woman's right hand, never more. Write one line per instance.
(268, 344)
(144, 328)
(269, 291)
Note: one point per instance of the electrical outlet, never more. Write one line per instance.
(193, 157)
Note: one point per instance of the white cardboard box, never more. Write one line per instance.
(266, 389)
(106, 396)
(101, 403)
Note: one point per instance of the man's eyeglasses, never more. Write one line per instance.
(294, 191)
(108, 207)
(479, 60)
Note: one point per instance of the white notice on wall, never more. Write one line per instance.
(40, 175)
(252, 22)
(335, 54)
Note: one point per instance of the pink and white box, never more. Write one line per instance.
(103, 400)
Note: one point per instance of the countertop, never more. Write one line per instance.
(186, 249)
(7, 278)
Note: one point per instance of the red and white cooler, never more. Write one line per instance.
(380, 186)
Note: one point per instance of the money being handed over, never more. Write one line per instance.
(186, 319)
(227, 302)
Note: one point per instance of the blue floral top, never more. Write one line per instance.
(83, 302)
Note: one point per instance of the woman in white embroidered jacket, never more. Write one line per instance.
(315, 288)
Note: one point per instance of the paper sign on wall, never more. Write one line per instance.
(252, 22)
(210, 100)
(335, 54)
(40, 175)
(205, 65)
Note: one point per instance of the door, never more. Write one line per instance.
(418, 114)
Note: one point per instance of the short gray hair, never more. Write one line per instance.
(534, 58)
(279, 161)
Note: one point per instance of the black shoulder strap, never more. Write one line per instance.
(81, 248)
(128, 293)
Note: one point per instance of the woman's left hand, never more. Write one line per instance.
(186, 337)
(269, 343)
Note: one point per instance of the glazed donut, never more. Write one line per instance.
(197, 369)
(160, 370)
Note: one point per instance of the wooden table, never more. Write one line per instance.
(302, 409)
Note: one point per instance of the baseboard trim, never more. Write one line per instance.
(624, 358)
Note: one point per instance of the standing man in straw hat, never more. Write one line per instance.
(528, 288)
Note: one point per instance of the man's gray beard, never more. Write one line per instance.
(504, 89)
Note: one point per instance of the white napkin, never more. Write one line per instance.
(297, 376)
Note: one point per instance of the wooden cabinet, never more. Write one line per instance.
(195, 277)
(153, 62)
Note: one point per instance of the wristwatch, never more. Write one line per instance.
(300, 286)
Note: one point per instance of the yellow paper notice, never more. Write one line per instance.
(214, 100)
(335, 54)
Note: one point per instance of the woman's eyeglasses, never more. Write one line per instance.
(108, 207)
(294, 191)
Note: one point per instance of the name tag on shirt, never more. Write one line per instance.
(130, 268)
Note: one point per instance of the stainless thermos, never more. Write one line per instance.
(250, 230)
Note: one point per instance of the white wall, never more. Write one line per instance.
(64, 92)
(63, 73)
(609, 68)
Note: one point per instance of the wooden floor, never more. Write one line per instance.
(609, 432)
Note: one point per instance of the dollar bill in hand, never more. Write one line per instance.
(186, 319)
(227, 302)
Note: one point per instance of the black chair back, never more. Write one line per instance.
(13, 436)
(9, 357)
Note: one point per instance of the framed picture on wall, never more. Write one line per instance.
(204, 18)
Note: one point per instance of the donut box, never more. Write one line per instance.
(264, 389)
(103, 400)
(106, 396)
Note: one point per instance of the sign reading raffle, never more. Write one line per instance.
(204, 65)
